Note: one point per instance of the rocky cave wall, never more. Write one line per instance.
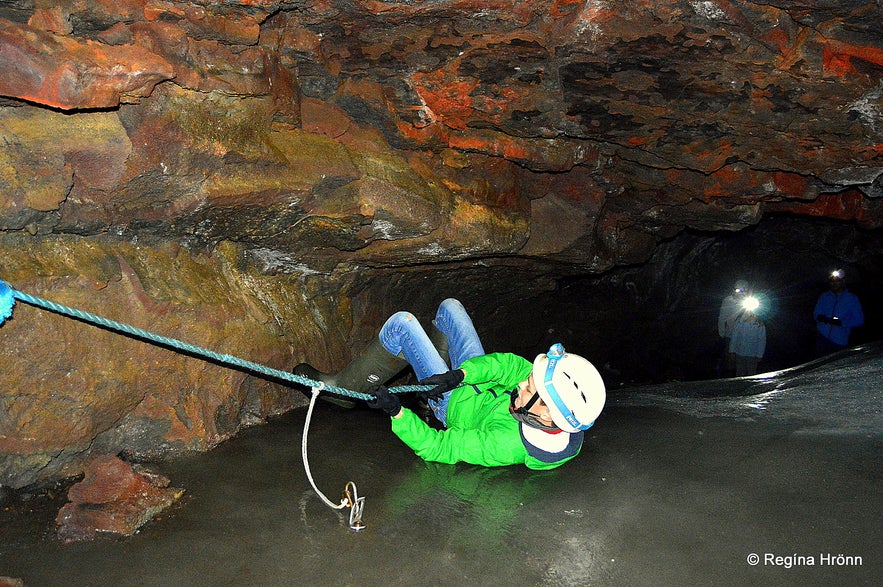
(270, 179)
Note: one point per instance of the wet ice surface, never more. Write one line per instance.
(670, 489)
(839, 394)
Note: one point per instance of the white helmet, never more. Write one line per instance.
(571, 388)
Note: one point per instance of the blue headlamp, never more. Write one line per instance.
(556, 352)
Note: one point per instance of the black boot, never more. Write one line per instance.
(375, 366)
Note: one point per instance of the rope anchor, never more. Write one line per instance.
(349, 499)
(356, 505)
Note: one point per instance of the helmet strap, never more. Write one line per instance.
(526, 407)
(525, 416)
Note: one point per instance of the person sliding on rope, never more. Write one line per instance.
(495, 409)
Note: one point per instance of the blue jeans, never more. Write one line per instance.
(403, 333)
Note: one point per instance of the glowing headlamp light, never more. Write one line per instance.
(837, 274)
(750, 303)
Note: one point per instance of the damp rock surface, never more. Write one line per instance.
(113, 499)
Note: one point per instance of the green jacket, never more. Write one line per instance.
(480, 429)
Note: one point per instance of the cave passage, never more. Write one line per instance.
(657, 321)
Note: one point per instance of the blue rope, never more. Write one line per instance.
(7, 300)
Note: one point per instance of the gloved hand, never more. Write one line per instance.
(383, 400)
(823, 319)
(443, 382)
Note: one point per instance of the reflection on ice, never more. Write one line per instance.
(840, 394)
(759, 402)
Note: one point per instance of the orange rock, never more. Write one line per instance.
(113, 498)
(69, 74)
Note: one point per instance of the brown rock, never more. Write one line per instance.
(53, 20)
(124, 394)
(112, 498)
(232, 28)
(66, 73)
(50, 148)
(205, 64)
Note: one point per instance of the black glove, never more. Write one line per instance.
(443, 382)
(823, 319)
(383, 400)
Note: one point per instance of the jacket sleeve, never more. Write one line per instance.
(722, 317)
(820, 308)
(497, 444)
(761, 341)
(504, 369)
(853, 317)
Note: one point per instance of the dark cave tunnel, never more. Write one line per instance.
(657, 322)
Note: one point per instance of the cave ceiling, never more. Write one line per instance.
(403, 132)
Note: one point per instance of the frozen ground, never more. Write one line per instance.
(678, 484)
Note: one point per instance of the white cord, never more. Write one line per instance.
(303, 447)
(350, 494)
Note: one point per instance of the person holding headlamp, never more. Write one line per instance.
(837, 312)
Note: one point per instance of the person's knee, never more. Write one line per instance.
(396, 327)
(398, 319)
(450, 306)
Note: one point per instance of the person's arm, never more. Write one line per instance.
(503, 369)
(852, 317)
(820, 313)
(724, 317)
(761, 343)
(497, 444)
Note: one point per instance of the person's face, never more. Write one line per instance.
(526, 390)
(836, 285)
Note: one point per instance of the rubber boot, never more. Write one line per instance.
(440, 342)
(375, 366)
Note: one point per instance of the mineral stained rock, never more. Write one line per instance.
(113, 498)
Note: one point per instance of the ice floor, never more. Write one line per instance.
(678, 484)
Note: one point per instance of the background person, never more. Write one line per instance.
(748, 342)
(730, 310)
(837, 312)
